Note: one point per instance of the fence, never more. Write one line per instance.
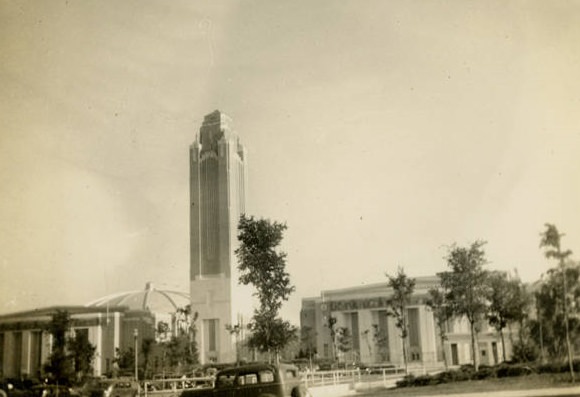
(385, 375)
(325, 378)
(174, 386)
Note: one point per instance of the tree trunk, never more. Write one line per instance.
(405, 356)
(568, 345)
(502, 344)
(542, 356)
(473, 347)
(444, 354)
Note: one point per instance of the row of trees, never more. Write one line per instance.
(468, 290)
(167, 354)
(72, 355)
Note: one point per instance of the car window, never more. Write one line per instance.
(266, 376)
(290, 373)
(225, 380)
(251, 379)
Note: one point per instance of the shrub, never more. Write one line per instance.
(445, 377)
(505, 370)
(551, 368)
(559, 367)
(485, 372)
(407, 381)
(423, 380)
(525, 352)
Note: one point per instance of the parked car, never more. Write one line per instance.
(45, 390)
(16, 387)
(27, 388)
(255, 380)
(111, 388)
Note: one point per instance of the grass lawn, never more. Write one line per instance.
(535, 381)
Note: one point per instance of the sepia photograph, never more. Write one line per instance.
(307, 198)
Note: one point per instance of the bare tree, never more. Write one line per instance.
(550, 240)
(403, 288)
(441, 309)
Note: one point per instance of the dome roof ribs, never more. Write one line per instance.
(169, 299)
(150, 298)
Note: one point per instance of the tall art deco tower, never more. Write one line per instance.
(217, 199)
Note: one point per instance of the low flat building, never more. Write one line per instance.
(373, 337)
(110, 324)
(25, 343)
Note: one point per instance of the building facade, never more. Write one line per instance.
(112, 323)
(374, 338)
(218, 174)
(25, 343)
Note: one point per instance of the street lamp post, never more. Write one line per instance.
(136, 336)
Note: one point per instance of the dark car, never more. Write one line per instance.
(110, 388)
(16, 387)
(33, 389)
(255, 380)
(45, 390)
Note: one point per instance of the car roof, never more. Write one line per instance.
(255, 367)
(248, 367)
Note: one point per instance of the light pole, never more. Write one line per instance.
(136, 336)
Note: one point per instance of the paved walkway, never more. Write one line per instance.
(553, 391)
(541, 392)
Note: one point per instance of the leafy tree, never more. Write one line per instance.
(292, 348)
(547, 330)
(465, 284)
(176, 352)
(331, 325)
(147, 347)
(403, 288)
(507, 303)
(344, 338)
(381, 338)
(550, 241)
(162, 329)
(190, 332)
(124, 360)
(59, 365)
(235, 330)
(269, 333)
(263, 265)
(308, 343)
(82, 353)
(437, 302)
(365, 335)
(180, 352)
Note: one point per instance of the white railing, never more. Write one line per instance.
(174, 386)
(387, 376)
(325, 378)
(425, 369)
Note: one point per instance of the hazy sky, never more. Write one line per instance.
(380, 131)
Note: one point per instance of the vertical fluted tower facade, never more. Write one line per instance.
(218, 196)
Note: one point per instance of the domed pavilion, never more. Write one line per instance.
(166, 306)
